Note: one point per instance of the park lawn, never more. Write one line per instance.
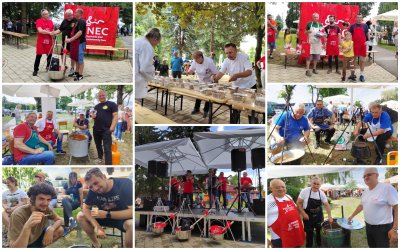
(388, 47)
(6, 119)
(117, 55)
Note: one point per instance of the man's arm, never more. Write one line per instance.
(86, 211)
(114, 121)
(44, 32)
(359, 208)
(23, 239)
(81, 195)
(76, 36)
(299, 204)
(218, 76)
(20, 145)
(118, 215)
(42, 140)
(243, 74)
(328, 211)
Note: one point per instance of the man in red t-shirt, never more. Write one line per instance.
(175, 184)
(29, 146)
(245, 183)
(188, 187)
(223, 183)
(261, 65)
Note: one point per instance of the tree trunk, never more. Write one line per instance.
(23, 17)
(120, 93)
(260, 36)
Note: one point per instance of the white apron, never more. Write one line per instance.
(315, 43)
(374, 128)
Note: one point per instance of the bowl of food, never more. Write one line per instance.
(239, 97)
(219, 94)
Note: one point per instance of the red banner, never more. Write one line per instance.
(101, 24)
(343, 13)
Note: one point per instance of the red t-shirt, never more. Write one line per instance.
(22, 131)
(245, 181)
(224, 184)
(188, 186)
(177, 181)
(262, 61)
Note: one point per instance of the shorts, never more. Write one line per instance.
(39, 242)
(112, 223)
(272, 45)
(361, 58)
(82, 47)
(315, 57)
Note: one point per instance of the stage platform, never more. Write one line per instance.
(245, 218)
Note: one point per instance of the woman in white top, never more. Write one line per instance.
(12, 198)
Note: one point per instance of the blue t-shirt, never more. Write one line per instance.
(119, 197)
(320, 114)
(176, 64)
(294, 128)
(384, 119)
(73, 190)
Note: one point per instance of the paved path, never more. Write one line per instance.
(278, 74)
(18, 67)
(385, 58)
(128, 44)
(148, 240)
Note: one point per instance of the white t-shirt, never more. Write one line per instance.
(305, 193)
(273, 212)
(377, 204)
(205, 70)
(144, 68)
(41, 124)
(13, 199)
(239, 65)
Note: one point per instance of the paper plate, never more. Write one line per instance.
(354, 225)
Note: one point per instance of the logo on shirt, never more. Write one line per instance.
(105, 107)
(288, 208)
(293, 225)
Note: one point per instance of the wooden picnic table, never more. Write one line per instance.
(9, 35)
(146, 116)
(107, 49)
(249, 106)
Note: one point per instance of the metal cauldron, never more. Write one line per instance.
(158, 228)
(78, 145)
(290, 157)
(217, 232)
(360, 149)
(333, 235)
(183, 235)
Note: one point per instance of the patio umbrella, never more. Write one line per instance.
(387, 16)
(81, 103)
(326, 186)
(391, 104)
(44, 90)
(180, 154)
(287, 171)
(337, 99)
(392, 180)
(215, 147)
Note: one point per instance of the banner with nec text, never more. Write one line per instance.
(101, 24)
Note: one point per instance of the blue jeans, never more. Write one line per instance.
(46, 157)
(118, 131)
(59, 142)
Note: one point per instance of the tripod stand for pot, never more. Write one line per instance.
(368, 127)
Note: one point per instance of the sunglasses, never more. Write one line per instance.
(368, 175)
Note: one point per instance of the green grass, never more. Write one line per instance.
(7, 118)
(59, 212)
(388, 47)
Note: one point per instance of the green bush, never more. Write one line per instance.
(293, 192)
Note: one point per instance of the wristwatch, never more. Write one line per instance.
(108, 216)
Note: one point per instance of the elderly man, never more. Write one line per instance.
(65, 29)
(29, 147)
(321, 120)
(176, 65)
(360, 35)
(83, 124)
(205, 69)
(283, 219)
(47, 129)
(380, 205)
(290, 127)
(379, 124)
(105, 117)
(332, 43)
(310, 202)
(144, 53)
(78, 44)
(313, 30)
(44, 43)
(239, 68)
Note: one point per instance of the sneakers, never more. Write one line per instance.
(72, 73)
(362, 79)
(205, 115)
(315, 71)
(353, 78)
(62, 152)
(72, 223)
(78, 78)
(195, 112)
(308, 73)
(34, 73)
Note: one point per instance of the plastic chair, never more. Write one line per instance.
(392, 158)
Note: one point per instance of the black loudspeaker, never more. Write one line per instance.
(238, 159)
(162, 169)
(148, 204)
(258, 158)
(259, 206)
(152, 168)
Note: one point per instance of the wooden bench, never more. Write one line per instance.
(18, 37)
(107, 49)
(126, 52)
(146, 116)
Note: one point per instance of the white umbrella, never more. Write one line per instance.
(288, 171)
(387, 16)
(44, 90)
(326, 186)
(338, 99)
(81, 103)
(215, 147)
(392, 180)
(361, 186)
(391, 104)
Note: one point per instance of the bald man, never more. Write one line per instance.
(380, 205)
(283, 219)
(65, 28)
(105, 117)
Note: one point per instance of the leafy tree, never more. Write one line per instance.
(389, 94)
(62, 102)
(24, 175)
(351, 185)
(293, 14)
(38, 103)
(391, 172)
(123, 91)
(358, 104)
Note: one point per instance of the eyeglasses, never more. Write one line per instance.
(368, 175)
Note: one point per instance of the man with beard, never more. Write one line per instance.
(332, 43)
(29, 223)
(109, 204)
(360, 35)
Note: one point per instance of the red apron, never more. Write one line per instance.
(47, 132)
(74, 46)
(359, 41)
(288, 226)
(332, 42)
(44, 42)
(271, 35)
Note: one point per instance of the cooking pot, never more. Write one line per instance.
(333, 235)
(182, 235)
(158, 228)
(78, 145)
(290, 157)
(217, 232)
(360, 149)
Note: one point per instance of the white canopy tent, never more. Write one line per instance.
(215, 147)
(290, 171)
(44, 90)
(337, 99)
(81, 103)
(392, 104)
(392, 180)
(392, 15)
(327, 186)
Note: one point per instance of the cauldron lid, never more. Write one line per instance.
(354, 225)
